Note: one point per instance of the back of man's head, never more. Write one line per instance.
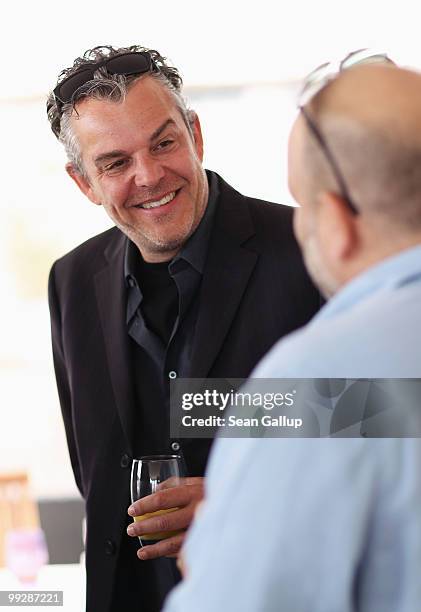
(370, 118)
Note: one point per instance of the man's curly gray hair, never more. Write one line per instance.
(110, 87)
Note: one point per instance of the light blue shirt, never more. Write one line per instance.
(320, 525)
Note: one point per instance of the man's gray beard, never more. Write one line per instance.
(142, 242)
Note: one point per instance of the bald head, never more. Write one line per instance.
(373, 94)
(370, 117)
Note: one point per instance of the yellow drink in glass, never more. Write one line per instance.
(158, 535)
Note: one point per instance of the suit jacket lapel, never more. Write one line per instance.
(228, 268)
(110, 292)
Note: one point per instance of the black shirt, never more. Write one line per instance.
(159, 304)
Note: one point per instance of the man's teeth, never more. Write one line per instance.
(161, 202)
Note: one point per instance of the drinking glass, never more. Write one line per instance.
(149, 474)
(25, 553)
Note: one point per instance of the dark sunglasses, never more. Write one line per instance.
(315, 82)
(125, 63)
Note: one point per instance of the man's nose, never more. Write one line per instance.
(147, 171)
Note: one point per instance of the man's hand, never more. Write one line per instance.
(184, 497)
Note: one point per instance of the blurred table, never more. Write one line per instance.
(69, 578)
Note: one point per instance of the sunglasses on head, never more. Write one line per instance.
(313, 84)
(126, 64)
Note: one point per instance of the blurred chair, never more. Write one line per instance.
(61, 520)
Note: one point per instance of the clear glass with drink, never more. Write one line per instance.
(150, 474)
(25, 553)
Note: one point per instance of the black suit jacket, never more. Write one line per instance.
(254, 290)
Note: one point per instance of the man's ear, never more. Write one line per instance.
(82, 182)
(337, 227)
(197, 135)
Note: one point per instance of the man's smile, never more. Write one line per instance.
(159, 202)
(154, 204)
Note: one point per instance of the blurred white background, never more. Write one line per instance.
(241, 63)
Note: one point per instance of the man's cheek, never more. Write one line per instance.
(298, 224)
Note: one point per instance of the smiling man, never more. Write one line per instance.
(195, 280)
(144, 168)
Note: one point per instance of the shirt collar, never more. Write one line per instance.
(391, 273)
(131, 255)
(194, 251)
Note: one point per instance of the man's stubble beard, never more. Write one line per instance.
(152, 244)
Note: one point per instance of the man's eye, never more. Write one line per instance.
(115, 165)
(164, 144)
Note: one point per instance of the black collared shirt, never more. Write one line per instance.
(161, 317)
